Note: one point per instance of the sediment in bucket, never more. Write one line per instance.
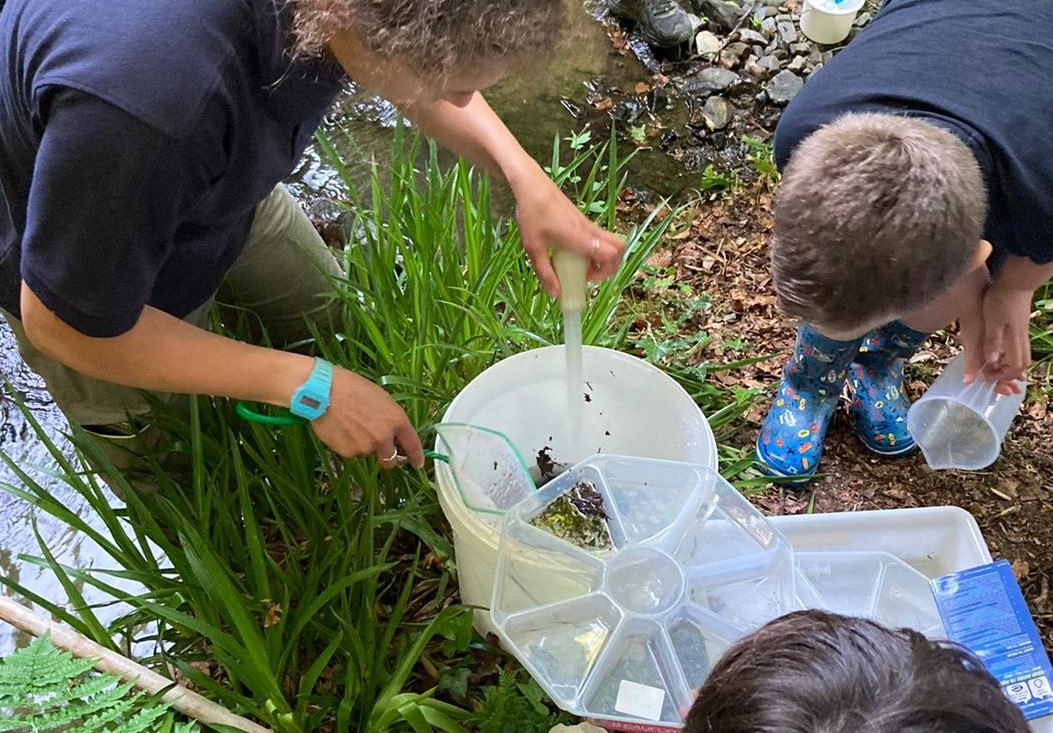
(630, 408)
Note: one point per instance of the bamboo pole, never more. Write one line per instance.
(185, 701)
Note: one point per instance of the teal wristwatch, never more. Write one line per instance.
(311, 399)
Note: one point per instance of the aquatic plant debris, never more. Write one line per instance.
(578, 516)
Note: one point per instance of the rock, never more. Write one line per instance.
(755, 70)
(770, 64)
(733, 54)
(861, 20)
(723, 14)
(797, 63)
(783, 86)
(333, 222)
(787, 32)
(714, 79)
(659, 98)
(737, 49)
(770, 26)
(708, 44)
(717, 113)
(748, 35)
(627, 111)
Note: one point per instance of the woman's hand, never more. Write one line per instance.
(549, 220)
(362, 419)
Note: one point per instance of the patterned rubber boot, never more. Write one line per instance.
(875, 383)
(791, 437)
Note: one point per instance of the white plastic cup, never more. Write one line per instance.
(960, 425)
(828, 21)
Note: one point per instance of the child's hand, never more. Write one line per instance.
(1001, 347)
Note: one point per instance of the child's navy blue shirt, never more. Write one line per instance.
(982, 69)
(136, 139)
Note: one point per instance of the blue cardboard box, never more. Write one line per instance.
(983, 609)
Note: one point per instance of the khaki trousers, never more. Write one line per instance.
(279, 283)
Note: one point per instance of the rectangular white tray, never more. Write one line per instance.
(935, 540)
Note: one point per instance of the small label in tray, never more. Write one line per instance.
(643, 701)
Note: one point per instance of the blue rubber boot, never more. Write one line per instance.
(791, 437)
(875, 383)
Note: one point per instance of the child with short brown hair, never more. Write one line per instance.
(917, 190)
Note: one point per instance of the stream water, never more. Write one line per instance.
(536, 109)
(20, 443)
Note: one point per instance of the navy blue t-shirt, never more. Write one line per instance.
(136, 139)
(982, 69)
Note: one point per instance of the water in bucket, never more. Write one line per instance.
(571, 269)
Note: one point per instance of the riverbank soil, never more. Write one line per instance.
(698, 105)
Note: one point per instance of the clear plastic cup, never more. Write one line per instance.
(960, 425)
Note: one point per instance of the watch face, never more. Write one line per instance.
(310, 402)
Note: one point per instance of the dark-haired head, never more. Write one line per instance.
(818, 672)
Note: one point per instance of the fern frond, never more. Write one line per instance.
(39, 669)
(45, 690)
(512, 707)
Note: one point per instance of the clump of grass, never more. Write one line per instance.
(714, 180)
(1042, 338)
(317, 594)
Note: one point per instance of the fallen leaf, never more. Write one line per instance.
(1009, 487)
(273, 615)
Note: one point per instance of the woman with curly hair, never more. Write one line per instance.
(141, 149)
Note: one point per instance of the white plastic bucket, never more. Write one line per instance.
(633, 409)
(828, 21)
